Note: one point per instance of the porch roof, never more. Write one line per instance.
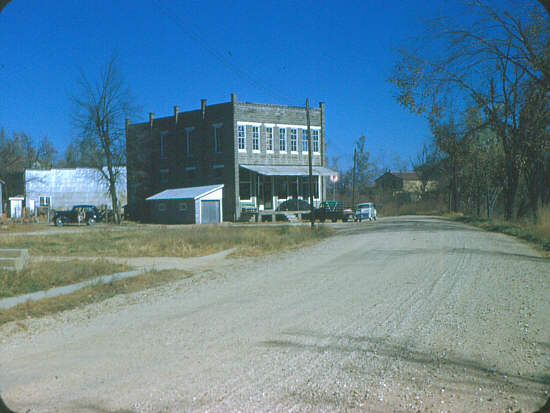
(289, 170)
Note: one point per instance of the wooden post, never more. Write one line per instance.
(309, 155)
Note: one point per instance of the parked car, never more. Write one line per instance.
(365, 211)
(294, 205)
(79, 214)
(334, 211)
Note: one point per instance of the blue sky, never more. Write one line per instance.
(177, 52)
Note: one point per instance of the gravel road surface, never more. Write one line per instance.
(407, 314)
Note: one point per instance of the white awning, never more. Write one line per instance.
(289, 170)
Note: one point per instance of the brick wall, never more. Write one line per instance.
(147, 164)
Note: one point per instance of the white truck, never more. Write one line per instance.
(365, 211)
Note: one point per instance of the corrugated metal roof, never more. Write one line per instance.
(185, 193)
(289, 170)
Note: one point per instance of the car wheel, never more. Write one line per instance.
(58, 222)
(91, 221)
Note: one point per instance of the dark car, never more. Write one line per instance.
(80, 214)
(294, 205)
(334, 211)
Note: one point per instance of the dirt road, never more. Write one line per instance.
(408, 314)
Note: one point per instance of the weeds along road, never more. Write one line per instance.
(407, 314)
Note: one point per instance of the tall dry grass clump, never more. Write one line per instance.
(543, 225)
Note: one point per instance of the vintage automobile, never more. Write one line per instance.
(365, 211)
(334, 211)
(79, 214)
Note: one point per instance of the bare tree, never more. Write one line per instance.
(101, 107)
(485, 64)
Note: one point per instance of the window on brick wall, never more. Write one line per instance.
(255, 138)
(282, 139)
(281, 183)
(269, 138)
(163, 176)
(293, 140)
(218, 172)
(305, 187)
(304, 140)
(241, 135)
(217, 134)
(315, 140)
(163, 144)
(245, 185)
(189, 141)
(191, 172)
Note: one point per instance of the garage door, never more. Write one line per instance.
(210, 212)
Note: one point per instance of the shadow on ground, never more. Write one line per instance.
(454, 369)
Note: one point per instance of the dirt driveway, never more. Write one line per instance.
(408, 314)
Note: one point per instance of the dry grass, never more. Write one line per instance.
(89, 295)
(48, 274)
(156, 242)
(423, 207)
(543, 226)
(8, 227)
(537, 234)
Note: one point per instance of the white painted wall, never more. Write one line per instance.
(71, 186)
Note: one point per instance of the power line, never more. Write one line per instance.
(195, 33)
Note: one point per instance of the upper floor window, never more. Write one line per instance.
(163, 176)
(188, 140)
(255, 138)
(304, 141)
(191, 172)
(282, 139)
(241, 134)
(269, 138)
(217, 138)
(218, 172)
(293, 140)
(162, 144)
(315, 140)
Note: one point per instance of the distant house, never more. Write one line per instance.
(403, 182)
(62, 188)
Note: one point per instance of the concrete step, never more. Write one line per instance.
(14, 259)
(291, 217)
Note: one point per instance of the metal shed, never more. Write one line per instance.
(195, 205)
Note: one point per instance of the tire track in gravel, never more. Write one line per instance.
(407, 314)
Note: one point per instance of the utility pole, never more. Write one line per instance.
(353, 179)
(312, 209)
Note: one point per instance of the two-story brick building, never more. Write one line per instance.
(258, 151)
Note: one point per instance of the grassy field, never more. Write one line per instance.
(92, 294)
(166, 242)
(48, 274)
(131, 242)
(11, 227)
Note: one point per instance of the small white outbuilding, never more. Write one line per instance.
(195, 205)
